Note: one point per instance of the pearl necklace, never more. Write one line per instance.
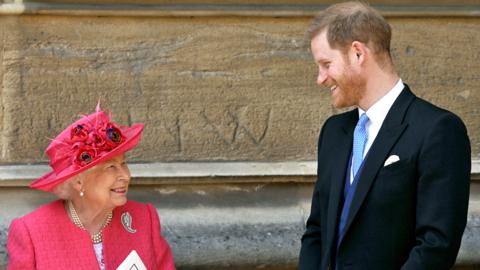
(97, 237)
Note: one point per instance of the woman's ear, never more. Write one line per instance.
(77, 183)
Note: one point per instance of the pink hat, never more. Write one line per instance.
(84, 144)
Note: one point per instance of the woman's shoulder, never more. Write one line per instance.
(39, 222)
(134, 205)
(47, 211)
(136, 215)
(136, 208)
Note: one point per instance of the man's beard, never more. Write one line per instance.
(352, 88)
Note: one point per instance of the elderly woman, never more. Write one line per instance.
(93, 225)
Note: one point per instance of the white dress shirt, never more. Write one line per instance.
(376, 115)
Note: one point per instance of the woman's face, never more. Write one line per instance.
(106, 185)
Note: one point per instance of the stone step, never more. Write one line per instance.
(228, 225)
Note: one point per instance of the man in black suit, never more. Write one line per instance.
(393, 174)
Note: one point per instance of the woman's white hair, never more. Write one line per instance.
(66, 189)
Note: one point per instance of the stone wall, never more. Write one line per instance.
(216, 82)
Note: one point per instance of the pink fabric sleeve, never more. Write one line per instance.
(20, 247)
(162, 249)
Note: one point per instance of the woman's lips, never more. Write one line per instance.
(119, 190)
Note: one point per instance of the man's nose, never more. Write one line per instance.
(322, 77)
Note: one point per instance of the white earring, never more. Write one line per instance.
(81, 193)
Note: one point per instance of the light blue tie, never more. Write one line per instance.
(359, 141)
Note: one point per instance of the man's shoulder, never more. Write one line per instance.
(338, 122)
(342, 118)
(426, 113)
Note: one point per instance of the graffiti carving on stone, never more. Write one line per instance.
(240, 122)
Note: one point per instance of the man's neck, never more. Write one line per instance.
(376, 87)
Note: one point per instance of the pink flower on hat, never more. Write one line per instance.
(113, 135)
(97, 141)
(84, 155)
(89, 142)
(78, 134)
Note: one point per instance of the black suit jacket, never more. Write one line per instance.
(407, 215)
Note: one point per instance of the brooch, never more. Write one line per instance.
(127, 222)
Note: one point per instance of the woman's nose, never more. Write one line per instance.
(124, 173)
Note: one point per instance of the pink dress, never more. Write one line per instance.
(47, 239)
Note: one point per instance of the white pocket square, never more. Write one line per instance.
(391, 159)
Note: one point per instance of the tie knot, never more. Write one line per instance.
(363, 120)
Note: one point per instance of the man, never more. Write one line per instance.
(392, 189)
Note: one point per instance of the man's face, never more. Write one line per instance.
(336, 73)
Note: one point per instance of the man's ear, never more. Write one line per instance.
(358, 52)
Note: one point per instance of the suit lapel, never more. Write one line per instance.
(388, 135)
(341, 157)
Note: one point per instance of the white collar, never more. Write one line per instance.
(378, 111)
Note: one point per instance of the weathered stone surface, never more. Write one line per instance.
(438, 60)
(208, 227)
(239, 226)
(388, 2)
(207, 88)
(212, 88)
(201, 98)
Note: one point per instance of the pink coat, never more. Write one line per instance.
(47, 239)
